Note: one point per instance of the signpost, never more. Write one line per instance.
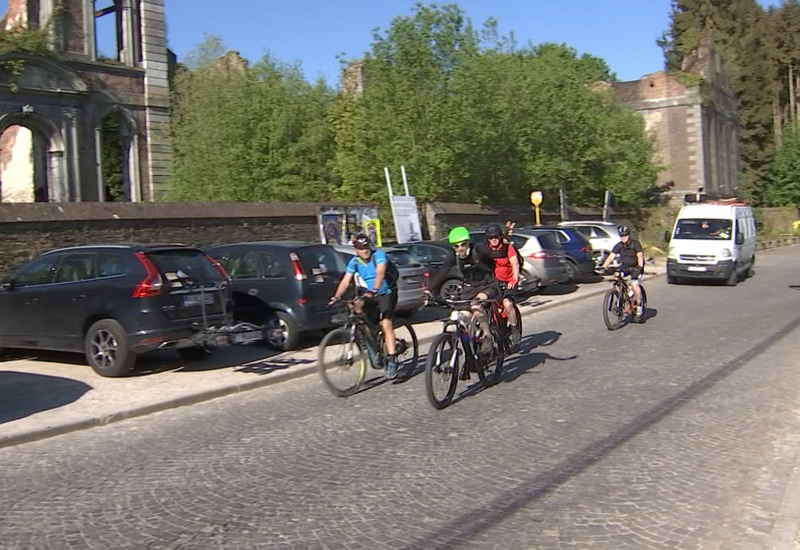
(404, 212)
(536, 200)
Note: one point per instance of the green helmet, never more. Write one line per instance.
(458, 235)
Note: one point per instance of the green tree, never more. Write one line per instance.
(783, 183)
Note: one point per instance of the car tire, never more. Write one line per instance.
(751, 271)
(281, 332)
(671, 280)
(733, 280)
(572, 271)
(195, 353)
(107, 349)
(450, 290)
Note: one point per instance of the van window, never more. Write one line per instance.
(704, 229)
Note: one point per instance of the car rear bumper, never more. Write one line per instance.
(176, 336)
(720, 270)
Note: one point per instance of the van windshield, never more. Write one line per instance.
(706, 229)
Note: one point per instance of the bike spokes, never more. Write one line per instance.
(342, 364)
(445, 360)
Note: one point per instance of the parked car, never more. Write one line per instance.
(412, 281)
(432, 254)
(542, 253)
(603, 236)
(283, 285)
(114, 302)
(577, 247)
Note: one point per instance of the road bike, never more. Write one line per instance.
(618, 306)
(456, 352)
(345, 352)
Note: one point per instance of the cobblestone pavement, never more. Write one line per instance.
(679, 433)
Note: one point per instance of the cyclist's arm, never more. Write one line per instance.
(609, 259)
(448, 264)
(343, 284)
(380, 273)
(514, 259)
(639, 255)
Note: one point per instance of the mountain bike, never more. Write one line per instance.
(456, 352)
(618, 306)
(345, 352)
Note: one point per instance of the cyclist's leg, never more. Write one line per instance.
(477, 311)
(508, 305)
(386, 307)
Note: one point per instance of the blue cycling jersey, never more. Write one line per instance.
(367, 270)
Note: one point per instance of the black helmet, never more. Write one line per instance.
(624, 230)
(494, 230)
(361, 240)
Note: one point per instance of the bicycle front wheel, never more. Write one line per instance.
(442, 366)
(342, 364)
(643, 316)
(612, 309)
(407, 349)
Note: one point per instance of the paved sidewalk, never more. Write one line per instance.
(47, 394)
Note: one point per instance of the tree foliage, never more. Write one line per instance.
(783, 183)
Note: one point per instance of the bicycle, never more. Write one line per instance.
(457, 351)
(618, 303)
(357, 342)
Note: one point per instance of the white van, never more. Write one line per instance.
(712, 240)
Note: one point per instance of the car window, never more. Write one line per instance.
(323, 259)
(273, 267)
(241, 264)
(549, 242)
(39, 272)
(561, 236)
(74, 267)
(109, 264)
(584, 230)
(601, 233)
(185, 268)
(401, 258)
(426, 254)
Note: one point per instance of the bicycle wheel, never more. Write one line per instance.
(518, 328)
(612, 309)
(341, 363)
(643, 316)
(407, 349)
(442, 366)
(492, 366)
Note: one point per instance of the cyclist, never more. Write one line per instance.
(370, 267)
(631, 258)
(506, 270)
(477, 271)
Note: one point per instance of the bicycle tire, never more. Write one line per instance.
(612, 305)
(409, 359)
(518, 328)
(354, 366)
(643, 316)
(433, 368)
(491, 371)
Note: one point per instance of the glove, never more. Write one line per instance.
(333, 300)
(636, 272)
(609, 271)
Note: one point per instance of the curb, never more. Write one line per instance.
(299, 372)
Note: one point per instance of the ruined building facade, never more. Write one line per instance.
(694, 118)
(90, 120)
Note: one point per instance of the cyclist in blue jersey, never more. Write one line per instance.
(368, 266)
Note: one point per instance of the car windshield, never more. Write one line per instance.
(705, 229)
(185, 268)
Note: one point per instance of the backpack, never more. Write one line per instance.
(392, 272)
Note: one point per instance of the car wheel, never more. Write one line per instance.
(572, 271)
(671, 280)
(751, 270)
(195, 353)
(107, 349)
(733, 280)
(450, 290)
(281, 331)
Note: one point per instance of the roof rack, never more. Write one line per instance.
(703, 198)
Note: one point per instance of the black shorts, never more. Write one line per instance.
(491, 290)
(381, 306)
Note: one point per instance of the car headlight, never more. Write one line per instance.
(726, 253)
(671, 253)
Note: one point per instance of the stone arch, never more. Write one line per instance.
(49, 170)
(129, 150)
(41, 73)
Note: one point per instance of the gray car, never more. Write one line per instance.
(413, 277)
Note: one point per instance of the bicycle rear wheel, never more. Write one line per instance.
(613, 315)
(643, 316)
(442, 366)
(407, 349)
(341, 363)
(492, 366)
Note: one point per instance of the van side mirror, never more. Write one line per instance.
(739, 237)
(667, 235)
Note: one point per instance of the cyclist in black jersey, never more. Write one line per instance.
(631, 259)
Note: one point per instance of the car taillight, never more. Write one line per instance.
(586, 249)
(425, 278)
(153, 283)
(219, 267)
(543, 256)
(299, 274)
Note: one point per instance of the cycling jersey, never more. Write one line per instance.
(477, 269)
(367, 271)
(502, 261)
(628, 253)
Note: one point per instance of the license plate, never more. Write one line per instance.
(696, 268)
(246, 337)
(197, 299)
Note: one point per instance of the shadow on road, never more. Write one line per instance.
(559, 290)
(23, 394)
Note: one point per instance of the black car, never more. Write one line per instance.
(433, 254)
(283, 285)
(114, 302)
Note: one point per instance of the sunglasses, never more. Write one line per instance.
(460, 245)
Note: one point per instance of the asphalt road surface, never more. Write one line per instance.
(682, 432)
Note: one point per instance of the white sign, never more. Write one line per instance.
(406, 219)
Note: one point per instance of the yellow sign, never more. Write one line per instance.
(536, 198)
(373, 230)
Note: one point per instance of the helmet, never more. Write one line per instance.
(624, 230)
(458, 235)
(361, 241)
(494, 230)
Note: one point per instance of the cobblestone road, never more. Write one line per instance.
(679, 433)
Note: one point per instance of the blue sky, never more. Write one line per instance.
(313, 32)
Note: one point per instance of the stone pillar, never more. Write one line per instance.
(154, 60)
(129, 52)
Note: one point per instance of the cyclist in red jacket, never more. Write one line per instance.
(506, 270)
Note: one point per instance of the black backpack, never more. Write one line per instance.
(392, 272)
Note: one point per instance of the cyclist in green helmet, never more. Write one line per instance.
(477, 272)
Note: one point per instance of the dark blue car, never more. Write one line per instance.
(577, 248)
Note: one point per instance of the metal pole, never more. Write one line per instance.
(606, 205)
(538, 220)
(405, 181)
(388, 181)
(391, 199)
